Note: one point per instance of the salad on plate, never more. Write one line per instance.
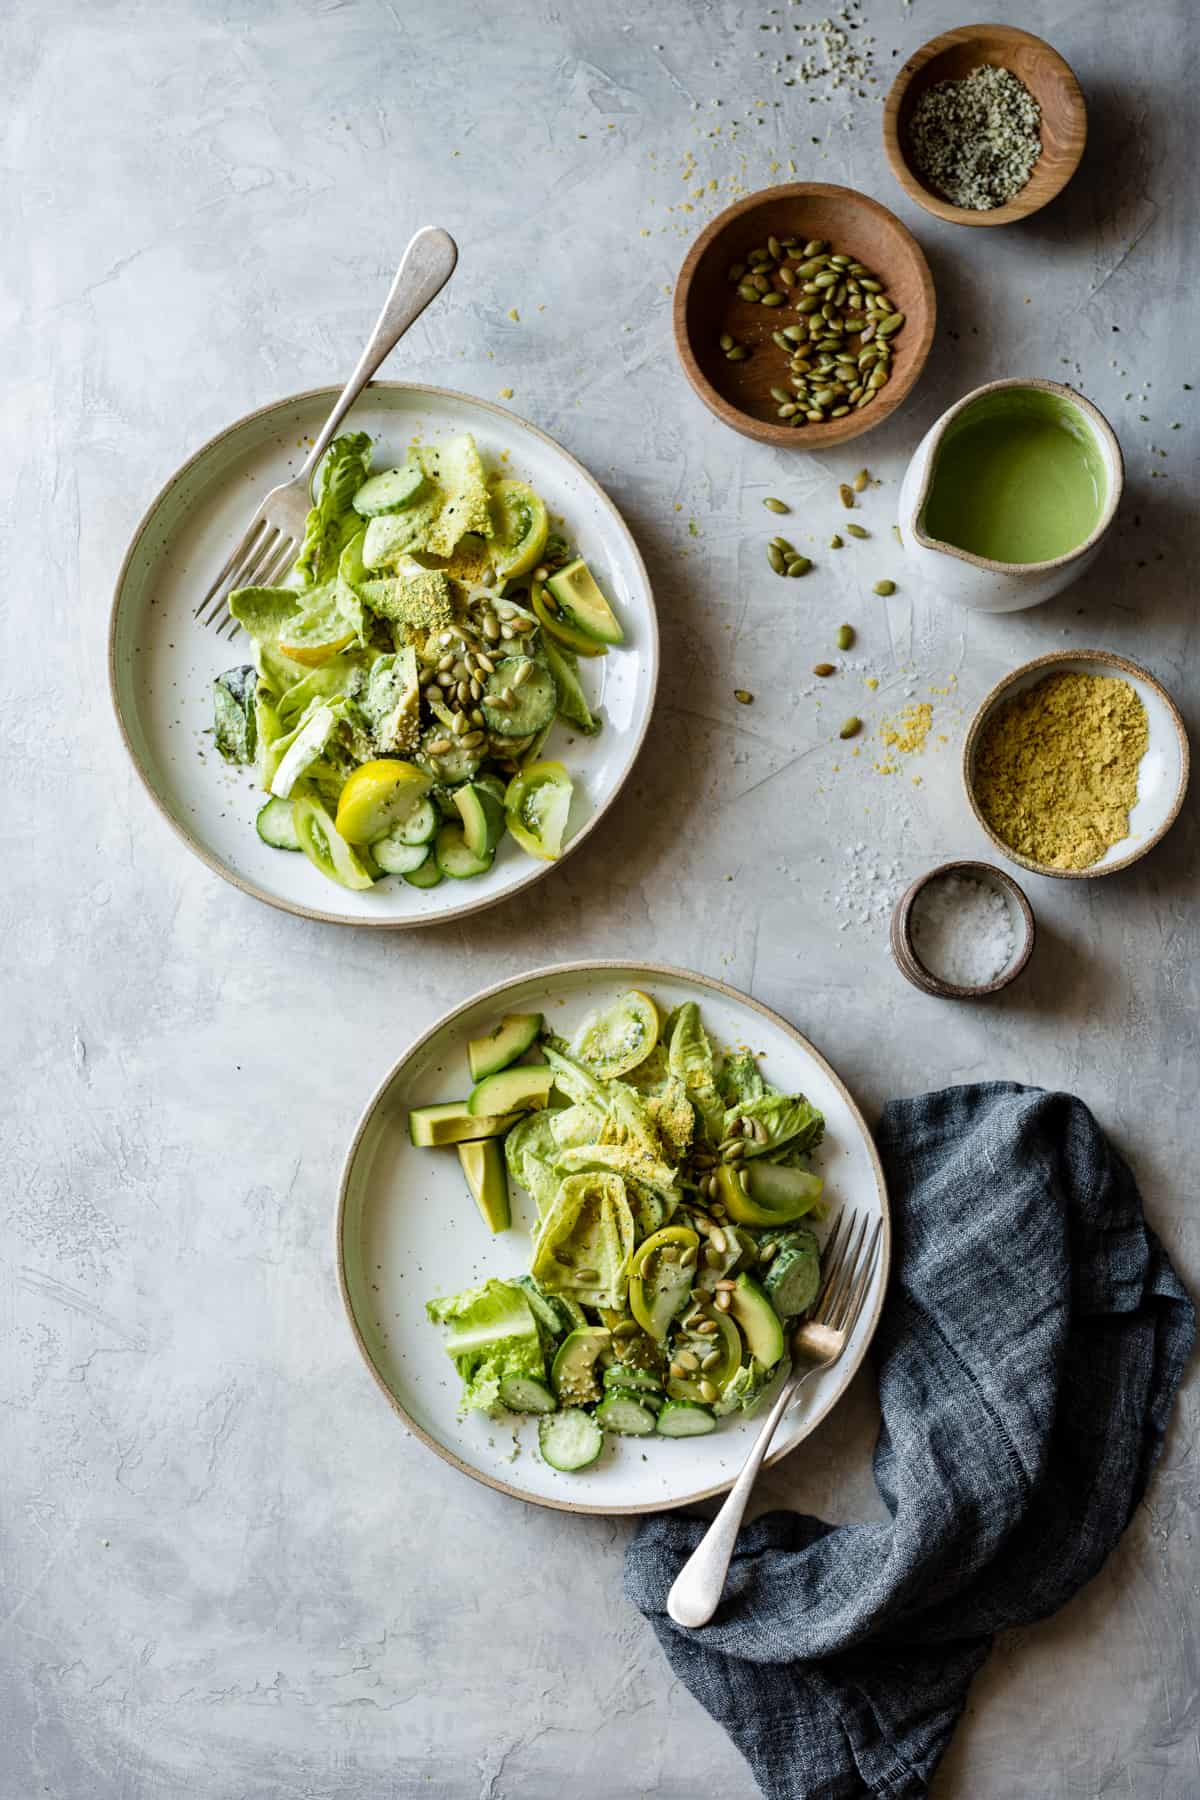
(673, 1244)
(405, 677)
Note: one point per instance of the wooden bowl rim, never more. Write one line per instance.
(836, 431)
(1016, 208)
(1048, 662)
(904, 951)
(1103, 429)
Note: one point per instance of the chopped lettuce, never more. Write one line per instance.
(493, 1333)
(744, 1389)
(457, 469)
(332, 522)
(235, 722)
(530, 1150)
(690, 1058)
(739, 1081)
(586, 1241)
(790, 1121)
(390, 704)
(342, 677)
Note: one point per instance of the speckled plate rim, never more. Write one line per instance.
(1052, 659)
(536, 871)
(670, 972)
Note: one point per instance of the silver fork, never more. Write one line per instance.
(276, 530)
(849, 1267)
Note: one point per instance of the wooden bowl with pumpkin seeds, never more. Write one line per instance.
(804, 315)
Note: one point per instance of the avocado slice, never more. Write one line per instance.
(453, 1123)
(574, 1370)
(513, 1036)
(482, 818)
(579, 600)
(759, 1321)
(555, 625)
(519, 1089)
(482, 1162)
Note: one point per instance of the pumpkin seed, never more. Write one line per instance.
(739, 353)
(735, 1152)
(710, 1362)
(845, 637)
(851, 728)
(787, 278)
(847, 494)
(780, 394)
(677, 1371)
(839, 412)
(767, 1251)
(835, 542)
(824, 669)
(775, 558)
(587, 1276)
(856, 531)
(735, 272)
(861, 480)
(439, 746)
(884, 588)
(471, 739)
(892, 323)
(687, 1359)
(626, 1328)
(687, 1259)
(722, 1304)
(774, 298)
(815, 246)
(780, 342)
(799, 565)
(743, 696)
(706, 1327)
(788, 410)
(783, 545)
(522, 673)
(746, 291)
(708, 1391)
(459, 725)
(725, 341)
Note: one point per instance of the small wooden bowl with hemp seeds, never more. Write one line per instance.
(804, 315)
(984, 125)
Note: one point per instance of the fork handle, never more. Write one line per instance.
(425, 268)
(698, 1587)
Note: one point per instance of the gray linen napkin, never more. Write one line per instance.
(1031, 1343)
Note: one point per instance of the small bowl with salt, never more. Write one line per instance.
(962, 931)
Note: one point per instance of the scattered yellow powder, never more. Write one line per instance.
(872, 681)
(514, 315)
(506, 393)
(1056, 770)
(904, 734)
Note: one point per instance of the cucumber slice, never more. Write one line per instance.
(525, 1394)
(625, 1415)
(794, 1276)
(621, 1375)
(570, 1440)
(454, 858)
(427, 876)
(514, 1035)
(534, 698)
(420, 825)
(391, 491)
(641, 1396)
(276, 827)
(683, 1419)
(395, 857)
(451, 766)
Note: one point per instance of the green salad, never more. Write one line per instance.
(668, 1254)
(406, 676)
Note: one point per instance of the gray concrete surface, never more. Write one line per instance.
(225, 1570)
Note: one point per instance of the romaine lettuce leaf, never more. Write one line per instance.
(458, 471)
(739, 1081)
(690, 1059)
(390, 704)
(343, 676)
(789, 1119)
(586, 1241)
(530, 1150)
(331, 523)
(492, 1333)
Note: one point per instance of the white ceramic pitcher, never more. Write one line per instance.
(977, 582)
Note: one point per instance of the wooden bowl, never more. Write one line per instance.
(1162, 774)
(707, 304)
(1049, 79)
(904, 950)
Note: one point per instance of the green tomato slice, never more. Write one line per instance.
(325, 848)
(658, 1284)
(617, 1040)
(519, 528)
(536, 805)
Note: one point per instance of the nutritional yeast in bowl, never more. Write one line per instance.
(1019, 478)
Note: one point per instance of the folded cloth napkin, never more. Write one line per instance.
(1031, 1343)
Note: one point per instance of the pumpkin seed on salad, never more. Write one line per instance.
(670, 1181)
(406, 675)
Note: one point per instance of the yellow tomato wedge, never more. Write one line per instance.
(378, 796)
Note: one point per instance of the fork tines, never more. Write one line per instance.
(263, 555)
(850, 1258)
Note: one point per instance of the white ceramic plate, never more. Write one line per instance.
(408, 1230)
(1162, 772)
(162, 663)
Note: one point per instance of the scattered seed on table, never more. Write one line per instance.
(835, 542)
(743, 696)
(884, 588)
(851, 728)
(861, 480)
(857, 531)
(847, 494)
(799, 565)
(824, 669)
(771, 503)
(845, 637)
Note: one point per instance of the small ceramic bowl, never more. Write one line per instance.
(1049, 79)
(1162, 776)
(707, 304)
(904, 950)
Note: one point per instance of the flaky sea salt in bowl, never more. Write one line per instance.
(963, 930)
